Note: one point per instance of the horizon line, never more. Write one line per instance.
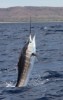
(32, 6)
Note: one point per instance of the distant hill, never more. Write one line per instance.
(22, 14)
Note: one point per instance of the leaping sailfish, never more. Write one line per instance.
(26, 61)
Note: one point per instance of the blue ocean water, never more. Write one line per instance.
(46, 79)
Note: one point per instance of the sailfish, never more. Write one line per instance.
(26, 61)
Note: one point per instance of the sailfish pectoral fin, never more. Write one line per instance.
(34, 54)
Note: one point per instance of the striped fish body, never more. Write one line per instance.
(26, 62)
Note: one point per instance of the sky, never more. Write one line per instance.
(11, 3)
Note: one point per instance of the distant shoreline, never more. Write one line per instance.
(38, 14)
(32, 22)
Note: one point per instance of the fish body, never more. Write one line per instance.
(26, 62)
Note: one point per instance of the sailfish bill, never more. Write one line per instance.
(26, 62)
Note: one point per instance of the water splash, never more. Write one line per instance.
(10, 84)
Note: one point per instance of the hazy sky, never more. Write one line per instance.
(10, 3)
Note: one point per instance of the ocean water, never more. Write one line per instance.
(46, 79)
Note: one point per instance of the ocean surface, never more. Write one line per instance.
(46, 78)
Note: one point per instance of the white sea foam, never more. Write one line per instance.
(10, 84)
